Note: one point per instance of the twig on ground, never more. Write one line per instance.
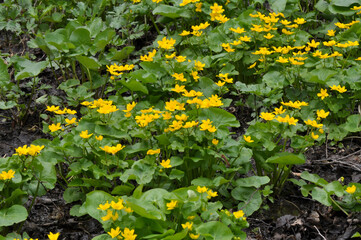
(319, 233)
(331, 160)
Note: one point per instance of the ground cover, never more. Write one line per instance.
(180, 119)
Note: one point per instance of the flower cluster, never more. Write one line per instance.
(119, 70)
(32, 150)
(7, 175)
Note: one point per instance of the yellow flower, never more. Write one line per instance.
(7, 175)
(114, 232)
(220, 83)
(321, 114)
(107, 109)
(52, 108)
(70, 121)
(112, 150)
(267, 116)
(55, 127)
(331, 33)
(194, 236)
(149, 57)
(238, 214)
(299, 21)
(199, 7)
(292, 121)
(117, 205)
(314, 136)
(199, 65)
(279, 110)
(167, 115)
(351, 189)
(53, 236)
(172, 204)
(99, 138)
(338, 88)
(179, 77)
(268, 36)
(215, 141)
(211, 194)
(104, 206)
(178, 89)
(181, 58)
(253, 65)
(166, 44)
(202, 189)
(187, 225)
(129, 234)
(84, 134)
(34, 150)
(285, 31)
(248, 139)
(166, 163)
(238, 30)
(323, 93)
(282, 60)
(152, 152)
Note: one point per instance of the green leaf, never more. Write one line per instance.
(278, 5)
(72, 194)
(12, 215)
(353, 123)
(88, 62)
(254, 181)
(171, 11)
(178, 236)
(176, 174)
(252, 204)
(314, 178)
(320, 75)
(4, 74)
(7, 105)
(123, 54)
(80, 36)
(287, 158)
(215, 230)
(32, 69)
(321, 195)
(356, 235)
(275, 79)
(143, 76)
(134, 86)
(220, 117)
(123, 190)
(93, 199)
(145, 209)
(322, 5)
(335, 187)
(202, 181)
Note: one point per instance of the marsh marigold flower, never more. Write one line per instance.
(85, 134)
(247, 139)
(167, 44)
(166, 163)
(267, 116)
(172, 204)
(129, 234)
(351, 189)
(323, 94)
(53, 236)
(114, 232)
(112, 149)
(238, 214)
(55, 127)
(187, 225)
(152, 152)
(7, 175)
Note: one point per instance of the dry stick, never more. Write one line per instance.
(319, 232)
(338, 161)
